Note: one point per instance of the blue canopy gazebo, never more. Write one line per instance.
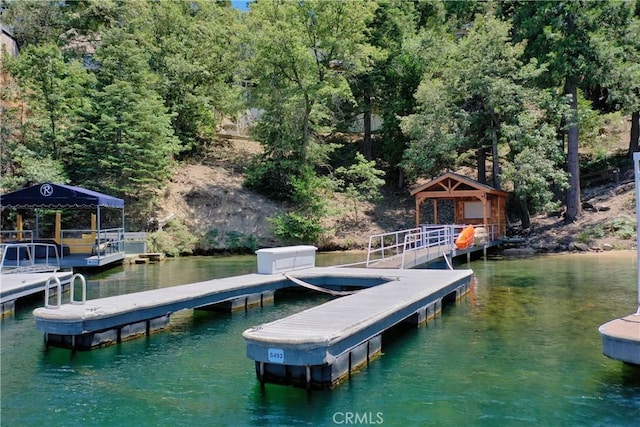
(103, 245)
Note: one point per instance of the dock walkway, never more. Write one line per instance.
(320, 346)
(19, 285)
(110, 320)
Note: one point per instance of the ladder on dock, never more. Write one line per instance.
(415, 246)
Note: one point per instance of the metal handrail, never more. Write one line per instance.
(47, 288)
(72, 284)
(58, 286)
(425, 237)
(20, 235)
(105, 241)
(27, 257)
(430, 237)
(395, 246)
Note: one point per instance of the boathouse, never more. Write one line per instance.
(471, 202)
(95, 245)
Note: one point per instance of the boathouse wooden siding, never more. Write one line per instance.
(469, 198)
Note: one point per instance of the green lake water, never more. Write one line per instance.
(522, 349)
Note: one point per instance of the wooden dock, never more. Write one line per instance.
(319, 347)
(15, 286)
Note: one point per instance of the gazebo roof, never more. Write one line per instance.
(451, 185)
(50, 195)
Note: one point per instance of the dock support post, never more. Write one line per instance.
(261, 372)
(266, 297)
(368, 352)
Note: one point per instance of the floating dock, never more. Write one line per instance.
(621, 337)
(15, 286)
(319, 347)
(110, 320)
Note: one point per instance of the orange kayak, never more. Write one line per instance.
(465, 238)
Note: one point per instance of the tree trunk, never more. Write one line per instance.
(400, 178)
(635, 133)
(573, 161)
(524, 213)
(367, 149)
(481, 159)
(494, 154)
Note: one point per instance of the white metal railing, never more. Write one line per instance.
(98, 243)
(58, 288)
(29, 257)
(14, 236)
(431, 239)
(386, 245)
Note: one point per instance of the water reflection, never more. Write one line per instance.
(521, 349)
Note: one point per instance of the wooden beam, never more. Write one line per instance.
(435, 211)
(450, 194)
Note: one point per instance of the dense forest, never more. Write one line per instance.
(113, 94)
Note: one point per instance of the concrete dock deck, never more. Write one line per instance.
(113, 319)
(320, 346)
(15, 286)
(621, 339)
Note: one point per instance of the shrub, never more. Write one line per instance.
(175, 239)
(295, 227)
(240, 242)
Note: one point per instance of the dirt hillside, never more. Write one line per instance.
(210, 199)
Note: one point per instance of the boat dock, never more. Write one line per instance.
(110, 320)
(104, 321)
(95, 323)
(20, 285)
(621, 337)
(26, 269)
(319, 347)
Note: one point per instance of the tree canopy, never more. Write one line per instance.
(113, 93)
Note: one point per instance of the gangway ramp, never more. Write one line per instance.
(418, 246)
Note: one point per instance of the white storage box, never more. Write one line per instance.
(288, 258)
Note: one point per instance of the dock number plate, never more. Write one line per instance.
(276, 355)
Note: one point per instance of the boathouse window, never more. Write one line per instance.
(473, 210)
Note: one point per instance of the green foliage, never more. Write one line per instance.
(108, 93)
(28, 169)
(295, 227)
(272, 177)
(621, 227)
(303, 223)
(300, 67)
(534, 158)
(239, 242)
(126, 144)
(360, 182)
(195, 53)
(208, 241)
(56, 91)
(173, 240)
